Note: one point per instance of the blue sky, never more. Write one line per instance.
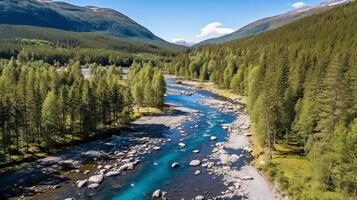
(196, 20)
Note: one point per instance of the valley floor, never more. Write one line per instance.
(56, 176)
(51, 177)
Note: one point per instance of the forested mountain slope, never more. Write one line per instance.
(57, 32)
(60, 15)
(271, 23)
(301, 84)
(13, 39)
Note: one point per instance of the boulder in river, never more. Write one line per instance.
(129, 166)
(196, 151)
(213, 138)
(93, 185)
(225, 126)
(197, 172)
(156, 194)
(96, 178)
(195, 163)
(81, 183)
(156, 148)
(182, 145)
(175, 164)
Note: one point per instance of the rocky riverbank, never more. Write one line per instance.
(89, 165)
(246, 181)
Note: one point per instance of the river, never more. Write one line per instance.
(154, 170)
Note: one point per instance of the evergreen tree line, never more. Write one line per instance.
(27, 50)
(147, 85)
(301, 84)
(43, 107)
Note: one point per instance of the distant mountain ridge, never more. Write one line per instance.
(274, 22)
(184, 43)
(65, 16)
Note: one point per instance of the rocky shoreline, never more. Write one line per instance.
(87, 166)
(246, 182)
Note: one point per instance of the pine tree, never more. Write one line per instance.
(159, 87)
(50, 113)
(149, 95)
(334, 95)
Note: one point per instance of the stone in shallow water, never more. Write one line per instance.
(156, 194)
(81, 183)
(213, 138)
(197, 172)
(196, 151)
(181, 145)
(175, 164)
(195, 163)
(156, 148)
(200, 197)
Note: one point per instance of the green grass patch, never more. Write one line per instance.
(294, 173)
(144, 111)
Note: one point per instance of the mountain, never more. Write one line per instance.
(271, 23)
(183, 43)
(20, 36)
(64, 16)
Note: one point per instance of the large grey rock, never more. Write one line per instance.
(81, 183)
(96, 178)
(195, 163)
(129, 166)
(112, 173)
(156, 194)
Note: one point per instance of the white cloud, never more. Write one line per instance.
(298, 5)
(214, 29)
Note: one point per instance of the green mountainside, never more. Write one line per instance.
(69, 17)
(271, 23)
